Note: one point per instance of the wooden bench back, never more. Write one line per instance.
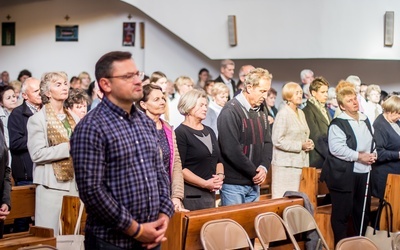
(392, 196)
(69, 215)
(184, 228)
(22, 202)
(35, 236)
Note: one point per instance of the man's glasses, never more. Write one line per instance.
(130, 76)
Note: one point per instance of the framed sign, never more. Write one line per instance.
(128, 34)
(8, 34)
(67, 33)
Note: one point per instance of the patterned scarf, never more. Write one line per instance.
(321, 108)
(59, 132)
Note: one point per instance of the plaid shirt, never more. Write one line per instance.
(119, 172)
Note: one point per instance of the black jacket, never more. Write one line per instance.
(21, 163)
(5, 171)
(337, 173)
(318, 126)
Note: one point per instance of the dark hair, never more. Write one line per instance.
(208, 83)
(145, 77)
(90, 89)
(76, 96)
(147, 89)
(203, 70)
(384, 96)
(24, 72)
(272, 91)
(73, 79)
(317, 83)
(3, 89)
(104, 65)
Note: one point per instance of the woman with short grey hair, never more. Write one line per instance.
(202, 169)
(49, 132)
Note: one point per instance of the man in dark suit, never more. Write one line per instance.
(227, 71)
(21, 163)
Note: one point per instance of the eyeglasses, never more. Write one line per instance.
(130, 76)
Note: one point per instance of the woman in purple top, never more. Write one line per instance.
(153, 104)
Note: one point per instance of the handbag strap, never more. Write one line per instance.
(78, 221)
(389, 217)
(383, 204)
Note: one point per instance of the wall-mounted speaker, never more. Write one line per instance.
(142, 35)
(232, 30)
(389, 28)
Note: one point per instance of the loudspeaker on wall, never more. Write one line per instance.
(232, 30)
(389, 28)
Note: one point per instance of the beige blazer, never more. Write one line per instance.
(42, 155)
(288, 134)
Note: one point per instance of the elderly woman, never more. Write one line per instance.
(160, 79)
(183, 84)
(49, 131)
(77, 102)
(373, 109)
(331, 103)
(387, 139)
(290, 137)
(153, 104)
(220, 94)
(8, 102)
(348, 163)
(318, 119)
(198, 147)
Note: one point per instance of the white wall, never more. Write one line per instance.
(280, 29)
(100, 31)
(202, 24)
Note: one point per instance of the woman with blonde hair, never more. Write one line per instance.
(220, 94)
(183, 84)
(346, 168)
(49, 133)
(84, 77)
(291, 143)
(17, 86)
(373, 109)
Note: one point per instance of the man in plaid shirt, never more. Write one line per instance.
(118, 167)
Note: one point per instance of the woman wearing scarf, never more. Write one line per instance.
(49, 131)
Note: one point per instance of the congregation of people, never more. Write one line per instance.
(136, 147)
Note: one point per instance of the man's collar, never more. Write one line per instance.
(226, 80)
(118, 110)
(242, 100)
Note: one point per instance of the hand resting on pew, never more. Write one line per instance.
(4, 211)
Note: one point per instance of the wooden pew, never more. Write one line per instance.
(35, 236)
(22, 203)
(392, 191)
(184, 227)
(310, 185)
(313, 187)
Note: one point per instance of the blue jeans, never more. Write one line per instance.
(94, 243)
(239, 194)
